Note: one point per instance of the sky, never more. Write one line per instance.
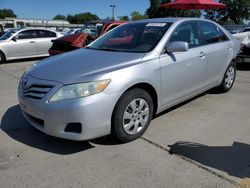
(47, 9)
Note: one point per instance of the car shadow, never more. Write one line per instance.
(234, 160)
(26, 59)
(14, 125)
(179, 105)
(243, 66)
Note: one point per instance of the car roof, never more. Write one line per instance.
(26, 29)
(168, 19)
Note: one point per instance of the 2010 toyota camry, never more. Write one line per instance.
(120, 81)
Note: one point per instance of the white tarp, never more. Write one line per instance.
(244, 38)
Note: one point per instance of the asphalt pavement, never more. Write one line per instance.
(204, 142)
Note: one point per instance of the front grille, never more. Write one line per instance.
(36, 91)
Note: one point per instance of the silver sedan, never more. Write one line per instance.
(120, 81)
(26, 43)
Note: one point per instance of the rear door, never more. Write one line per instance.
(218, 49)
(44, 41)
(183, 73)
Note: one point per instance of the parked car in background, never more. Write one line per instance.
(26, 43)
(120, 81)
(244, 37)
(72, 31)
(90, 32)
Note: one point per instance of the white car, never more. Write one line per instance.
(72, 31)
(26, 43)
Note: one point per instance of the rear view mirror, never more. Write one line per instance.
(177, 46)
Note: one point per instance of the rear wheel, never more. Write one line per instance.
(2, 57)
(228, 79)
(132, 115)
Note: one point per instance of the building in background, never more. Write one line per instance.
(58, 25)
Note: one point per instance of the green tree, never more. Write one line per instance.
(59, 17)
(82, 18)
(4, 13)
(137, 16)
(126, 18)
(236, 11)
(156, 11)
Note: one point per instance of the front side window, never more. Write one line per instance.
(133, 37)
(212, 33)
(187, 33)
(29, 34)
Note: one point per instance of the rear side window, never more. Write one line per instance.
(28, 34)
(187, 33)
(212, 33)
(45, 34)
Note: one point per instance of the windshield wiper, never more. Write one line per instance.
(103, 49)
(109, 49)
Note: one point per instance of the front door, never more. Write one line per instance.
(183, 73)
(24, 45)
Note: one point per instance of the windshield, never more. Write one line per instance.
(7, 34)
(133, 37)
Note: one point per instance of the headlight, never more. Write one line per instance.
(79, 90)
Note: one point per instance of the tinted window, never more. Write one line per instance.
(8, 34)
(29, 34)
(45, 34)
(187, 33)
(212, 33)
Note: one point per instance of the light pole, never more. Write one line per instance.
(113, 11)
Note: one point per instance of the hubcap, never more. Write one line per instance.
(230, 77)
(135, 116)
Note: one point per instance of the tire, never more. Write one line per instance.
(2, 57)
(228, 79)
(132, 115)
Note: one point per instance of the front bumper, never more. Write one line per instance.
(93, 113)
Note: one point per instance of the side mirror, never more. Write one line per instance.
(14, 38)
(177, 46)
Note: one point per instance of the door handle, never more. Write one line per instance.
(202, 55)
(32, 42)
(229, 47)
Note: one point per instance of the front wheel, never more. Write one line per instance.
(2, 57)
(228, 79)
(132, 115)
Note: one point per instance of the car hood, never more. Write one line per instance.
(77, 65)
(3, 41)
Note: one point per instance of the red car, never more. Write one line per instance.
(90, 32)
